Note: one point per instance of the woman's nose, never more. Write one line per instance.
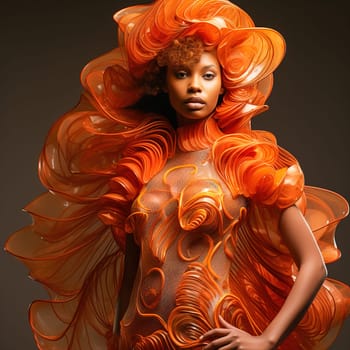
(194, 85)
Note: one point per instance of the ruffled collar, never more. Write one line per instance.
(198, 136)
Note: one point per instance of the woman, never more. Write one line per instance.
(181, 216)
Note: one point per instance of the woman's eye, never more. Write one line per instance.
(209, 76)
(181, 74)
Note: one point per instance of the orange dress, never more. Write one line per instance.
(202, 202)
(208, 247)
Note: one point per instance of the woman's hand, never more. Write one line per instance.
(231, 338)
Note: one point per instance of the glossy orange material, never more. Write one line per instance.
(203, 202)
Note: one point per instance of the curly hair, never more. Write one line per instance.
(183, 50)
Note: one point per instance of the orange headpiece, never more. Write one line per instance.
(247, 54)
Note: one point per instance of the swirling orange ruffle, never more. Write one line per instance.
(255, 167)
(93, 165)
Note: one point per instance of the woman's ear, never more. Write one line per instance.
(222, 90)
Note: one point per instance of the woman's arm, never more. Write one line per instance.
(298, 236)
(132, 255)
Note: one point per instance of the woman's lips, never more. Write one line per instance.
(194, 103)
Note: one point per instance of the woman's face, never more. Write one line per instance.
(194, 88)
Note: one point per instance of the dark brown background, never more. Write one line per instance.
(44, 45)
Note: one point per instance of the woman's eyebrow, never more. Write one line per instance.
(210, 66)
(179, 66)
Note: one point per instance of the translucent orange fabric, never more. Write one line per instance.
(203, 202)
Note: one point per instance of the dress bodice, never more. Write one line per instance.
(182, 221)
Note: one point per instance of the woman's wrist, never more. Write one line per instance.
(271, 340)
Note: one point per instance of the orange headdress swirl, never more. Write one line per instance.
(247, 54)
